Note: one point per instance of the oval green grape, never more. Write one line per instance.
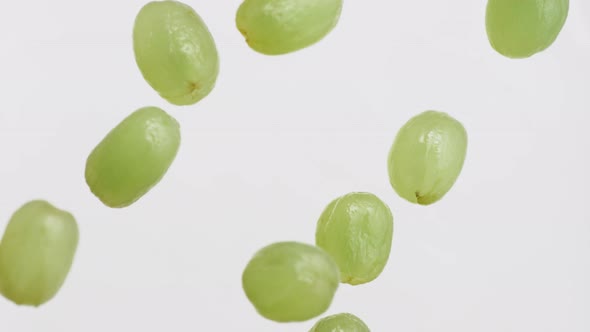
(356, 230)
(133, 157)
(36, 253)
(175, 52)
(427, 157)
(340, 323)
(520, 29)
(275, 27)
(290, 281)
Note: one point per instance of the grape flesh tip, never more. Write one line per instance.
(290, 281)
(356, 230)
(427, 157)
(175, 52)
(340, 323)
(133, 157)
(275, 27)
(521, 28)
(36, 253)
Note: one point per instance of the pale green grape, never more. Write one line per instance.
(427, 157)
(356, 230)
(133, 157)
(276, 27)
(175, 52)
(290, 281)
(340, 323)
(522, 28)
(36, 253)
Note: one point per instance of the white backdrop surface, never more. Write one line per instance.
(508, 249)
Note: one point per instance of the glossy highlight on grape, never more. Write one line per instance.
(356, 230)
(36, 253)
(133, 157)
(175, 52)
(427, 157)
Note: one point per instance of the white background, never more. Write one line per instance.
(508, 249)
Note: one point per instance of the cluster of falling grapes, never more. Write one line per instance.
(285, 281)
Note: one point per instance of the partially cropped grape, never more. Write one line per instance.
(276, 27)
(133, 157)
(340, 323)
(290, 281)
(427, 157)
(36, 253)
(522, 28)
(175, 52)
(356, 230)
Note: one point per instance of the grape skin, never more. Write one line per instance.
(290, 281)
(356, 230)
(36, 253)
(175, 52)
(520, 29)
(427, 157)
(344, 322)
(133, 157)
(275, 27)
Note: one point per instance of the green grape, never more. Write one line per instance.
(427, 157)
(36, 253)
(356, 230)
(276, 27)
(522, 28)
(133, 157)
(290, 281)
(175, 52)
(340, 323)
